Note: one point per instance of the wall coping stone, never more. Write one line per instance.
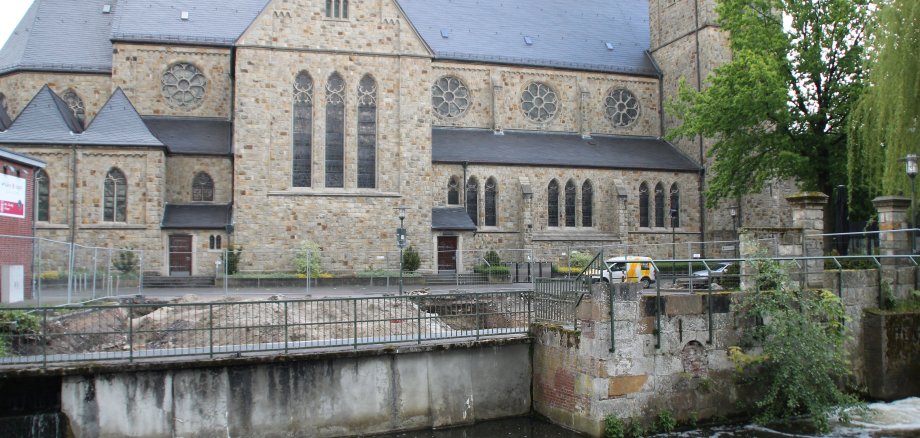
(891, 202)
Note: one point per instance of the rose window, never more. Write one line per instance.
(449, 97)
(539, 102)
(622, 107)
(184, 85)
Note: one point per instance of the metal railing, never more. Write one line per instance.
(147, 330)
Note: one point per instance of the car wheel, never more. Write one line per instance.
(645, 282)
(606, 281)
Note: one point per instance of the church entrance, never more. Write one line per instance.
(447, 254)
(180, 256)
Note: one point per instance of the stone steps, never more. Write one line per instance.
(159, 282)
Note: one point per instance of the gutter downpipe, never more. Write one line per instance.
(73, 219)
(702, 176)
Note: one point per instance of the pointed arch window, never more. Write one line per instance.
(552, 204)
(472, 200)
(115, 196)
(202, 188)
(453, 191)
(675, 205)
(587, 204)
(43, 195)
(643, 205)
(491, 202)
(367, 133)
(75, 103)
(335, 131)
(302, 162)
(659, 205)
(336, 8)
(4, 105)
(570, 195)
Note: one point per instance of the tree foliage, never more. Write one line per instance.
(884, 126)
(779, 108)
(800, 337)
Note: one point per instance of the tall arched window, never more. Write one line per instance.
(659, 205)
(115, 197)
(202, 188)
(643, 205)
(76, 105)
(570, 195)
(453, 191)
(552, 204)
(587, 204)
(367, 133)
(335, 131)
(675, 205)
(491, 203)
(43, 203)
(337, 8)
(472, 200)
(302, 140)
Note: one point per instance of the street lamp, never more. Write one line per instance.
(733, 212)
(911, 160)
(401, 243)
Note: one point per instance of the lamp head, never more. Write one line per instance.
(733, 212)
(402, 212)
(911, 160)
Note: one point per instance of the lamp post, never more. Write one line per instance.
(401, 243)
(733, 212)
(911, 160)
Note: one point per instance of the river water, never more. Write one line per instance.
(898, 419)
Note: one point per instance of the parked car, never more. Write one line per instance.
(715, 272)
(630, 269)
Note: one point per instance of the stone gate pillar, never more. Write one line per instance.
(808, 214)
(892, 215)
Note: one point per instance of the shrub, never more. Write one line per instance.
(665, 422)
(614, 427)
(580, 259)
(410, 260)
(308, 260)
(50, 275)
(234, 253)
(492, 270)
(731, 277)
(492, 258)
(125, 261)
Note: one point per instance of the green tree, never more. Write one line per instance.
(779, 108)
(885, 121)
(411, 260)
(308, 259)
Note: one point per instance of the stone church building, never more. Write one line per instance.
(181, 127)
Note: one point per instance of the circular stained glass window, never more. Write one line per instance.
(539, 102)
(450, 97)
(184, 85)
(622, 107)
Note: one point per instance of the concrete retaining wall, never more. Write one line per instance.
(319, 396)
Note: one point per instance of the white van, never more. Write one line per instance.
(630, 269)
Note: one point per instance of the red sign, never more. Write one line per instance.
(12, 196)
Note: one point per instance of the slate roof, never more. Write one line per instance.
(210, 22)
(193, 136)
(118, 124)
(566, 34)
(45, 120)
(21, 158)
(61, 36)
(451, 219)
(481, 146)
(197, 216)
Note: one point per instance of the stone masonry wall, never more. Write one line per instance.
(181, 170)
(19, 89)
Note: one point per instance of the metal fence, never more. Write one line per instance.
(148, 330)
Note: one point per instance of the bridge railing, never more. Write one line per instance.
(145, 330)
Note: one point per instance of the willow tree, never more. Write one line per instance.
(779, 108)
(884, 125)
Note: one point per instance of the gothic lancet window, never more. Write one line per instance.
(75, 103)
(491, 203)
(643, 205)
(472, 200)
(115, 196)
(43, 204)
(302, 165)
(367, 133)
(552, 204)
(659, 205)
(675, 205)
(587, 204)
(570, 203)
(453, 191)
(335, 131)
(202, 188)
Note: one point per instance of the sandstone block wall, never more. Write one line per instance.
(181, 170)
(20, 87)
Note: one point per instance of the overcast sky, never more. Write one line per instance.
(12, 12)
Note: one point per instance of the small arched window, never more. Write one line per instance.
(214, 242)
(115, 197)
(75, 103)
(43, 195)
(472, 200)
(643, 205)
(587, 204)
(336, 8)
(675, 205)
(367, 133)
(659, 205)
(202, 188)
(335, 131)
(302, 163)
(570, 195)
(491, 201)
(552, 204)
(453, 191)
